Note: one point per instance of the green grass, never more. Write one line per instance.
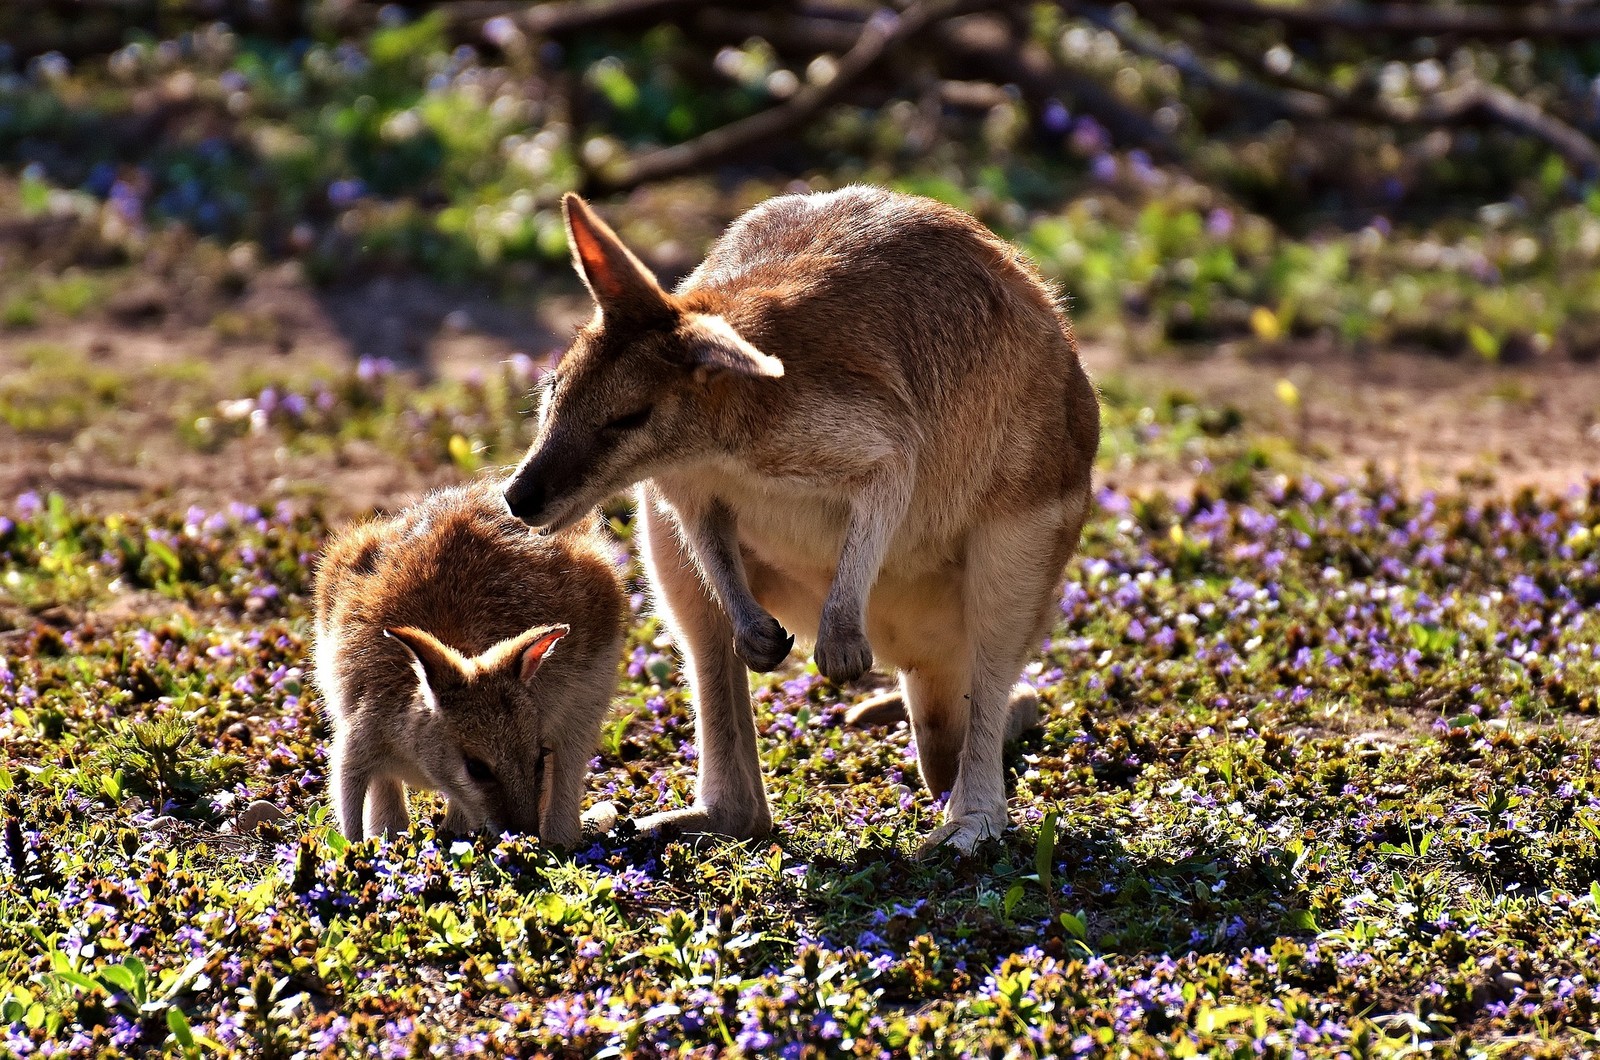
(1318, 771)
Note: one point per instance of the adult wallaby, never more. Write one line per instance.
(458, 651)
(862, 417)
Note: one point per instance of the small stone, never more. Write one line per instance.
(239, 731)
(257, 814)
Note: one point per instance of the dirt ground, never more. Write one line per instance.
(1429, 422)
(1433, 423)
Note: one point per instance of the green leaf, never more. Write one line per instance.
(1013, 896)
(168, 558)
(179, 1025)
(1044, 850)
(1075, 925)
(1484, 342)
(1214, 1019)
(119, 977)
(35, 195)
(77, 980)
(1302, 920)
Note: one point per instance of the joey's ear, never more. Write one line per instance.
(524, 653)
(438, 665)
(714, 347)
(619, 281)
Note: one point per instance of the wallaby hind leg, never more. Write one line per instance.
(938, 702)
(889, 708)
(730, 798)
(1013, 567)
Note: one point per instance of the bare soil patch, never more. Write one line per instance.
(1428, 422)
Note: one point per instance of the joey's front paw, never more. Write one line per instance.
(843, 653)
(764, 645)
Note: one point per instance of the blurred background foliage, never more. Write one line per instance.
(1341, 174)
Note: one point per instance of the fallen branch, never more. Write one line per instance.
(567, 17)
(1293, 102)
(1414, 20)
(881, 35)
(1475, 102)
(985, 49)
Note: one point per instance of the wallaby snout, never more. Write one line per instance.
(542, 494)
(525, 496)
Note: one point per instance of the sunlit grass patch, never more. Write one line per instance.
(1317, 769)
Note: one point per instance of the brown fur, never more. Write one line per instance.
(451, 631)
(868, 424)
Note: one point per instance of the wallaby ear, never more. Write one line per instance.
(621, 284)
(714, 347)
(525, 652)
(438, 665)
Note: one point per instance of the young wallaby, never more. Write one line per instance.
(862, 419)
(458, 651)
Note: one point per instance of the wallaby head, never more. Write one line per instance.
(476, 725)
(628, 398)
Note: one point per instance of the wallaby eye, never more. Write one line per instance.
(631, 421)
(479, 770)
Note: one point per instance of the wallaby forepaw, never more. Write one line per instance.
(763, 646)
(962, 835)
(842, 656)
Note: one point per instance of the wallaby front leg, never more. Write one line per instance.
(566, 769)
(758, 638)
(842, 652)
(349, 778)
(386, 807)
(730, 797)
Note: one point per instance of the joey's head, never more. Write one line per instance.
(629, 399)
(481, 730)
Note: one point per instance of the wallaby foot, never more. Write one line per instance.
(885, 708)
(889, 708)
(963, 834)
(842, 652)
(707, 820)
(1025, 714)
(763, 645)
